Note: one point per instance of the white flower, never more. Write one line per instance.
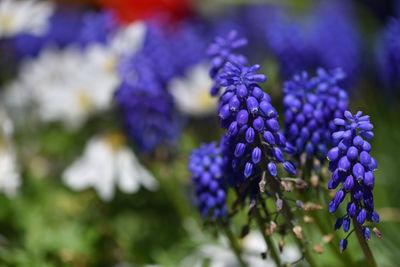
(24, 16)
(192, 92)
(10, 179)
(129, 39)
(106, 162)
(69, 85)
(66, 85)
(220, 255)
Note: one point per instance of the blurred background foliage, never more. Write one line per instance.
(47, 224)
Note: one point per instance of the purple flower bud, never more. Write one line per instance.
(367, 233)
(234, 103)
(205, 179)
(224, 112)
(280, 140)
(333, 154)
(332, 206)
(352, 153)
(339, 197)
(268, 110)
(269, 138)
(337, 135)
(257, 93)
(300, 119)
(348, 115)
(258, 124)
(242, 91)
(332, 184)
(339, 122)
(375, 217)
(366, 126)
(369, 179)
(358, 141)
(272, 125)
(248, 169)
(367, 135)
(278, 154)
(361, 216)
(351, 209)
(344, 164)
(365, 158)
(357, 193)
(242, 117)
(373, 164)
(338, 223)
(358, 171)
(289, 167)
(348, 183)
(272, 169)
(256, 155)
(239, 149)
(233, 129)
(252, 104)
(304, 133)
(289, 148)
(343, 245)
(346, 225)
(250, 135)
(309, 149)
(366, 146)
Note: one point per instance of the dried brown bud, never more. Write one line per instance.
(327, 238)
(308, 219)
(272, 227)
(313, 206)
(317, 163)
(377, 232)
(268, 232)
(261, 184)
(281, 245)
(285, 186)
(301, 183)
(314, 180)
(297, 231)
(318, 249)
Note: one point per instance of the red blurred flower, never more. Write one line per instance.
(129, 10)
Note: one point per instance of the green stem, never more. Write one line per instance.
(234, 245)
(271, 247)
(364, 246)
(289, 217)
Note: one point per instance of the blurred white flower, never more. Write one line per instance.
(129, 38)
(192, 92)
(220, 255)
(10, 179)
(69, 85)
(66, 85)
(107, 161)
(24, 16)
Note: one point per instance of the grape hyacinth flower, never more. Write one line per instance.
(311, 104)
(250, 119)
(353, 167)
(221, 52)
(206, 167)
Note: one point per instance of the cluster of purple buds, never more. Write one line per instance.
(352, 166)
(251, 120)
(206, 166)
(388, 54)
(221, 52)
(311, 104)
